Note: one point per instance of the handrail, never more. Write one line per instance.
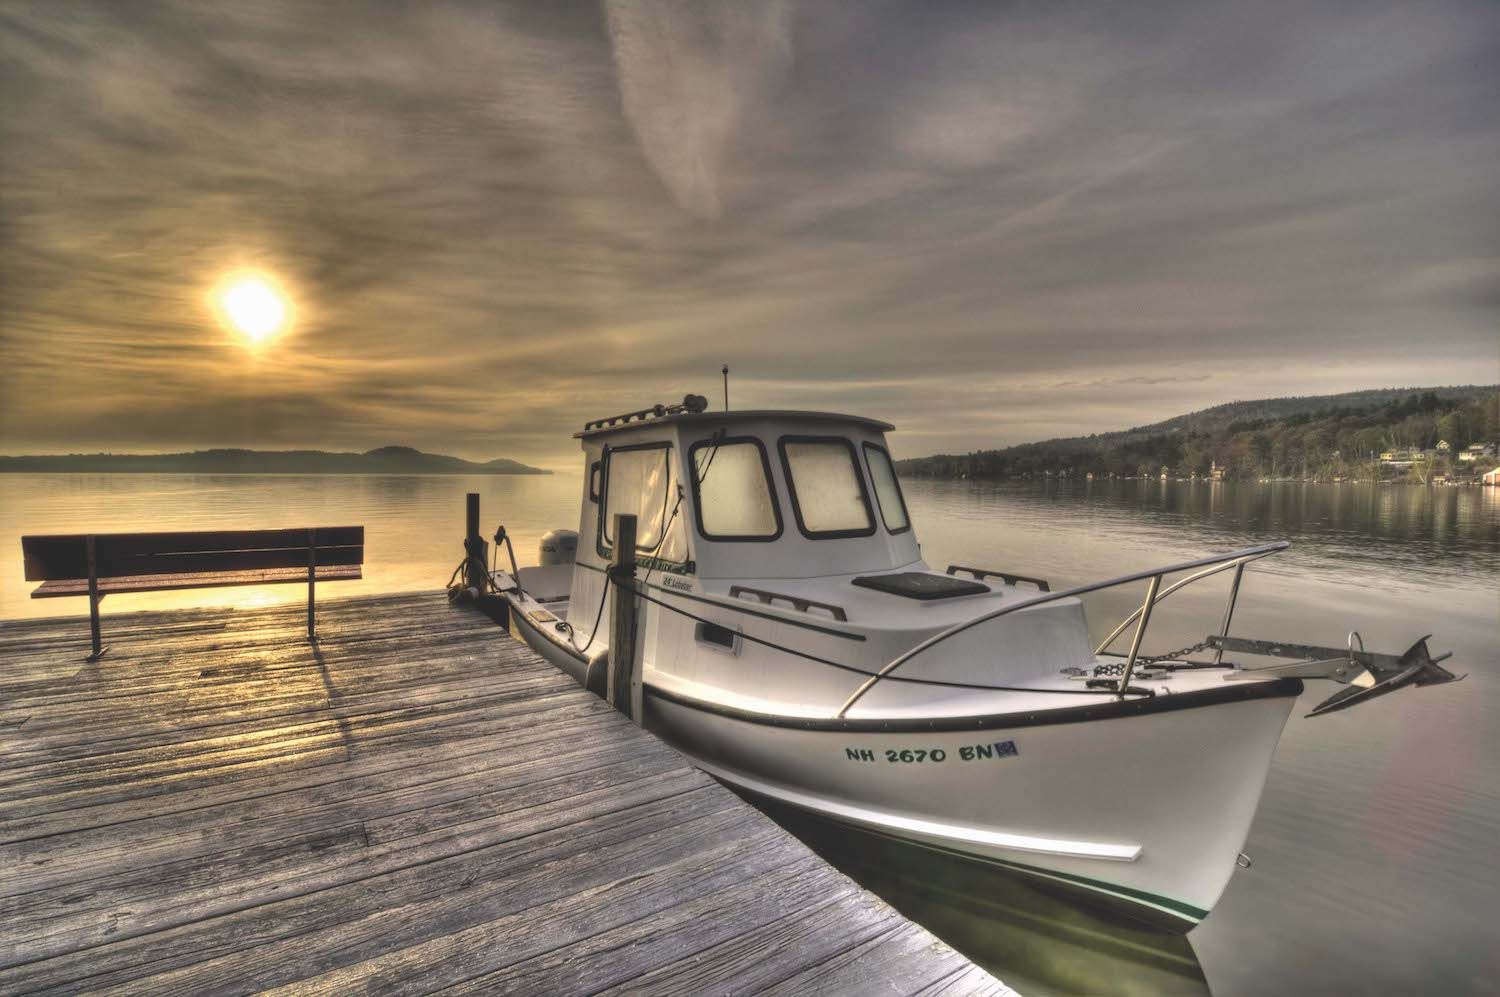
(1239, 556)
(1127, 621)
(1009, 578)
(768, 598)
(691, 404)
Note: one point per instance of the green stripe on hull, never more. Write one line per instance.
(1177, 908)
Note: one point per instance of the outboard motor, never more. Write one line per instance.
(558, 547)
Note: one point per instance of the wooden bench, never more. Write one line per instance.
(96, 565)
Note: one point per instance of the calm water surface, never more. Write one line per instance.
(1376, 867)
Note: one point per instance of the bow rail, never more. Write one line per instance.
(1211, 565)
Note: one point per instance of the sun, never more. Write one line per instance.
(253, 306)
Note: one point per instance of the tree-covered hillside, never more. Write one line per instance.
(1316, 437)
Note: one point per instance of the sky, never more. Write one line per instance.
(987, 223)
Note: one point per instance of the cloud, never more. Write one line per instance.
(986, 224)
(962, 135)
(691, 76)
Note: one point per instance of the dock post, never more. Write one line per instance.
(624, 684)
(474, 547)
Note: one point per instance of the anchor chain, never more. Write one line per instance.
(1117, 670)
(1202, 645)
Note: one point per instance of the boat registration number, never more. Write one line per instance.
(921, 756)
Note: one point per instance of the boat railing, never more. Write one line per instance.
(1201, 567)
(768, 598)
(980, 574)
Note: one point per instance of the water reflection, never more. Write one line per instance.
(1037, 940)
(1428, 531)
(413, 523)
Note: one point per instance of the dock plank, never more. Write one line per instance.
(417, 803)
(39, 862)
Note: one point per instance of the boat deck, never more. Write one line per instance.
(416, 803)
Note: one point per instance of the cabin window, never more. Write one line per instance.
(887, 489)
(732, 491)
(828, 491)
(638, 481)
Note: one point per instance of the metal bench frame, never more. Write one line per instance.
(103, 564)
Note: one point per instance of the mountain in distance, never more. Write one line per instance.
(381, 460)
(1315, 436)
(1220, 417)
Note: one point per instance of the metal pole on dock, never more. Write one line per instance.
(624, 685)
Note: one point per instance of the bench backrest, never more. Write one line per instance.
(65, 557)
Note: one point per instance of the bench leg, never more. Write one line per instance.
(312, 577)
(94, 631)
(94, 598)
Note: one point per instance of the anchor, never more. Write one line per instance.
(1367, 674)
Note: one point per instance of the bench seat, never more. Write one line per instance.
(200, 579)
(99, 564)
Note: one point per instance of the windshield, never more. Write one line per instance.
(828, 492)
(735, 500)
(639, 482)
(887, 489)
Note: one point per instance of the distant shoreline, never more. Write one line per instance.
(383, 460)
(1426, 435)
(539, 472)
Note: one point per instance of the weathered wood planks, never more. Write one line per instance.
(416, 803)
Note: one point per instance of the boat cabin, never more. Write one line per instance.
(752, 494)
(768, 522)
(780, 555)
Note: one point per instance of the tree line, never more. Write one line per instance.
(1324, 443)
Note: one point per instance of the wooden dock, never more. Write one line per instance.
(419, 803)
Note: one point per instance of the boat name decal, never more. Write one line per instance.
(666, 567)
(918, 756)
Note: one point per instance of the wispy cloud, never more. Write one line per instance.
(693, 76)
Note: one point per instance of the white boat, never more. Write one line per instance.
(794, 644)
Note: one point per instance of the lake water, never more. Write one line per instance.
(1376, 867)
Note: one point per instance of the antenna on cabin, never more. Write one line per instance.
(726, 387)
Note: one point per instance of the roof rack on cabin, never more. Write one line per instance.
(692, 404)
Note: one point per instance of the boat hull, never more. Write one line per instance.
(1141, 803)
(551, 645)
(1149, 809)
